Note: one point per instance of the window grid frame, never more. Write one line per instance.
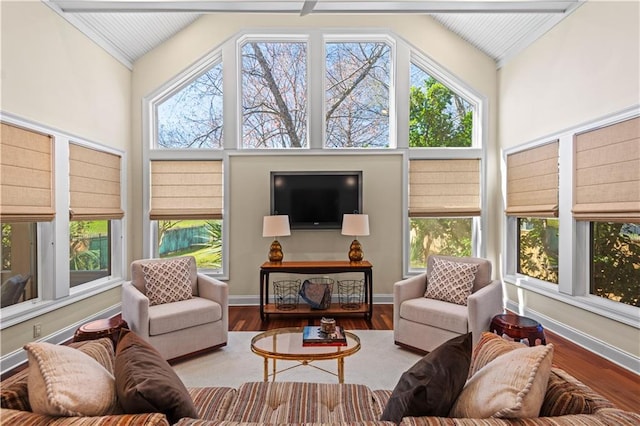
(574, 239)
(53, 237)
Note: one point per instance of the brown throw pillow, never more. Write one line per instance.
(431, 386)
(450, 281)
(146, 383)
(168, 281)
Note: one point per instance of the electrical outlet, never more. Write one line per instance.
(37, 330)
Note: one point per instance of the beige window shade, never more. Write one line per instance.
(186, 190)
(94, 184)
(607, 173)
(26, 175)
(444, 188)
(532, 182)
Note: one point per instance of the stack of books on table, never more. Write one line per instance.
(314, 336)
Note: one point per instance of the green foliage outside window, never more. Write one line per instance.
(89, 245)
(199, 238)
(6, 246)
(438, 117)
(538, 248)
(451, 237)
(615, 261)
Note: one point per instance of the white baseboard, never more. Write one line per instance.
(590, 343)
(18, 357)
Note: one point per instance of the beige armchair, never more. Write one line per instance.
(180, 327)
(424, 323)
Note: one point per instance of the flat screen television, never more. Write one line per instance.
(316, 200)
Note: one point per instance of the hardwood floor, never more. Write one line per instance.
(617, 384)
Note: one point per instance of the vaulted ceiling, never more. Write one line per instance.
(130, 29)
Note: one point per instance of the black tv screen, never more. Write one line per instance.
(316, 200)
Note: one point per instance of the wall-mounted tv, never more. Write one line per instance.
(316, 200)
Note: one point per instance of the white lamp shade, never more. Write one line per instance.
(355, 224)
(276, 226)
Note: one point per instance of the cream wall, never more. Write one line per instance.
(55, 76)
(586, 68)
(382, 201)
(249, 190)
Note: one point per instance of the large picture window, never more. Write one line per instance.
(445, 236)
(606, 194)
(61, 210)
(191, 118)
(201, 239)
(538, 248)
(274, 94)
(19, 263)
(89, 250)
(318, 90)
(357, 84)
(615, 262)
(438, 117)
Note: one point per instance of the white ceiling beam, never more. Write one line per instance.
(308, 6)
(322, 6)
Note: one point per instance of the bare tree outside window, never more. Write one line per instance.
(357, 94)
(192, 117)
(274, 95)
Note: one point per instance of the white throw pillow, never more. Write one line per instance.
(168, 281)
(64, 381)
(512, 385)
(450, 281)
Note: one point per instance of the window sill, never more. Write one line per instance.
(619, 312)
(13, 315)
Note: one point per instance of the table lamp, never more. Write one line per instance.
(275, 226)
(355, 225)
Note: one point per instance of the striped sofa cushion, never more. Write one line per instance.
(23, 418)
(296, 402)
(212, 403)
(566, 395)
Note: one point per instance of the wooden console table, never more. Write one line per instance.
(316, 268)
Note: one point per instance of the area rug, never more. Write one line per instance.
(378, 364)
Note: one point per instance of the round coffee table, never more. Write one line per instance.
(518, 328)
(286, 344)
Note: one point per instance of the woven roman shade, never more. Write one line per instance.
(532, 182)
(607, 173)
(94, 184)
(26, 175)
(444, 188)
(186, 190)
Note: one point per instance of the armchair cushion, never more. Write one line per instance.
(436, 313)
(431, 386)
(450, 281)
(145, 382)
(168, 281)
(512, 385)
(169, 317)
(64, 381)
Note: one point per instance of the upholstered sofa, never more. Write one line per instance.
(566, 402)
